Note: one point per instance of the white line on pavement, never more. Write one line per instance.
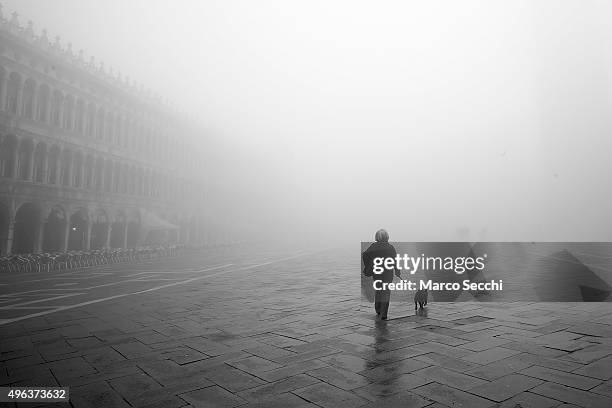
(90, 302)
(8, 307)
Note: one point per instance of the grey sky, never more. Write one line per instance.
(427, 118)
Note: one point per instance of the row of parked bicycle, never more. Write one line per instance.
(79, 259)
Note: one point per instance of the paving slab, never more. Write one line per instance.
(570, 395)
(449, 396)
(505, 388)
(561, 377)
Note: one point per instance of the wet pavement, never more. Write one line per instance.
(239, 327)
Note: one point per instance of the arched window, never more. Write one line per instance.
(26, 150)
(79, 117)
(42, 102)
(53, 164)
(77, 170)
(91, 120)
(108, 175)
(3, 80)
(89, 172)
(29, 90)
(117, 178)
(124, 181)
(12, 92)
(66, 167)
(56, 108)
(127, 133)
(8, 156)
(118, 130)
(40, 154)
(99, 174)
(68, 112)
(100, 124)
(109, 128)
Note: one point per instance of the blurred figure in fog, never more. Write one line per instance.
(380, 249)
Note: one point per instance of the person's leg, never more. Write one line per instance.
(377, 301)
(384, 303)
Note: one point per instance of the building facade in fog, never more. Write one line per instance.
(87, 159)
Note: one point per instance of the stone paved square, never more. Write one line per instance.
(276, 335)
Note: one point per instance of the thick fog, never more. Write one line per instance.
(454, 120)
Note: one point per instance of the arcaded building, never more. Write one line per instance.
(88, 160)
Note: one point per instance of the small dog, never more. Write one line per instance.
(420, 298)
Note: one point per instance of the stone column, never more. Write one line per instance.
(125, 234)
(87, 245)
(30, 172)
(10, 234)
(40, 234)
(45, 165)
(18, 107)
(35, 105)
(102, 177)
(58, 170)
(15, 154)
(109, 230)
(3, 85)
(60, 114)
(82, 176)
(69, 173)
(64, 246)
(47, 112)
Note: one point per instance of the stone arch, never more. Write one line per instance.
(29, 93)
(24, 159)
(8, 156)
(54, 235)
(78, 233)
(13, 88)
(119, 230)
(42, 102)
(99, 229)
(27, 228)
(40, 158)
(133, 229)
(173, 234)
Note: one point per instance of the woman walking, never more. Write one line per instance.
(380, 249)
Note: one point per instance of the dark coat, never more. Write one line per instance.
(378, 250)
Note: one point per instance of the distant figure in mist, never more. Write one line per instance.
(383, 249)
